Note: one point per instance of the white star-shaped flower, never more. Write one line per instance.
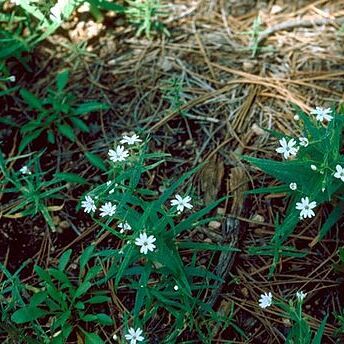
(303, 141)
(130, 140)
(306, 208)
(124, 226)
(340, 172)
(88, 204)
(300, 295)
(287, 148)
(119, 154)
(293, 186)
(322, 114)
(181, 202)
(134, 336)
(108, 209)
(145, 242)
(265, 300)
(25, 170)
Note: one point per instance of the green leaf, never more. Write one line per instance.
(27, 313)
(82, 289)
(295, 171)
(51, 136)
(64, 259)
(92, 338)
(28, 138)
(85, 257)
(67, 131)
(31, 99)
(98, 299)
(62, 80)
(104, 319)
(85, 108)
(332, 219)
(108, 6)
(320, 332)
(80, 124)
(70, 177)
(96, 161)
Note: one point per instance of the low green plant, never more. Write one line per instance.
(57, 112)
(145, 15)
(61, 302)
(339, 268)
(311, 175)
(300, 331)
(30, 191)
(153, 232)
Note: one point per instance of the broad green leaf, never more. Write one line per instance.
(104, 319)
(28, 138)
(85, 108)
(70, 177)
(67, 131)
(27, 313)
(96, 161)
(85, 257)
(92, 338)
(82, 289)
(80, 124)
(64, 259)
(31, 99)
(62, 80)
(98, 299)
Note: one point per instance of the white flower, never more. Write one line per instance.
(134, 335)
(107, 209)
(145, 242)
(57, 10)
(120, 154)
(303, 141)
(322, 114)
(287, 148)
(300, 295)
(124, 227)
(181, 202)
(296, 117)
(12, 78)
(175, 287)
(306, 207)
(108, 182)
(88, 204)
(340, 173)
(265, 300)
(130, 140)
(293, 186)
(115, 337)
(25, 170)
(313, 167)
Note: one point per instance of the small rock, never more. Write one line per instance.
(257, 218)
(214, 224)
(257, 130)
(221, 211)
(64, 224)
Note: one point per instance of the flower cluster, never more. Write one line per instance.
(120, 153)
(265, 300)
(25, 170)
(145, 242)
(289, 148)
